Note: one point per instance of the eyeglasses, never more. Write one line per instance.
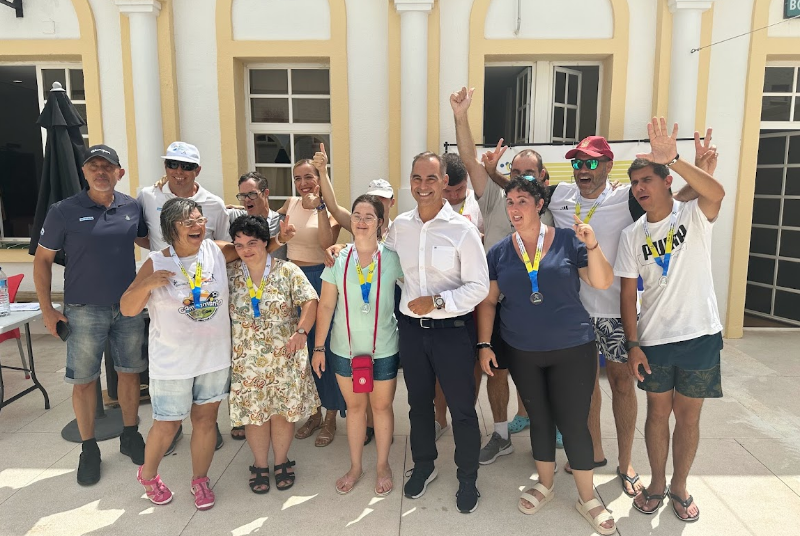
(192, 222)
(175, 164)
(252, 196)
(591, 163)
(369, 220)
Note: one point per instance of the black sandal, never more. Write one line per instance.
(261, 479)
(282, 474)
(630, 480)
(685, 504)
(370, 435)
(648, 498)
(235, 433)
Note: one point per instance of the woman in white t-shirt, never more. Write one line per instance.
(185, 288)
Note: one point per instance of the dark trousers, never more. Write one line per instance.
(449, 355)
(556, 389)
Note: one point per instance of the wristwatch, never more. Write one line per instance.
(438, 302)
(630, 345)
(302, 331)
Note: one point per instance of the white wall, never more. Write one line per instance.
(198, 94)
(641, 65)
(281, 20)
(454, 53)
(43, 19)
(790, 28)
(549, 19)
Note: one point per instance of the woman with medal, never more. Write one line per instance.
(271, 383)
(548, 337)
(359, 287)
(185, 288)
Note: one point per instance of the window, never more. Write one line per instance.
(288, 116)
(71, 79)
(780, 101)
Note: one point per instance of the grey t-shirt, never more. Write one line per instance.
(273, 219)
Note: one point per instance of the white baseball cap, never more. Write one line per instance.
(182, 152)
(381, 188)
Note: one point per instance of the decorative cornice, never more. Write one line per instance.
(139, 6)
(413, 5)
(702, 5)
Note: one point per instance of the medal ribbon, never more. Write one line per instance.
(663, 263)
(366, 285)
(464, 204)
(533, 268)
(196, 283)
(594, 207)
(255, 295)
(347, 306)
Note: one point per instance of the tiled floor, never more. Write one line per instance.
(746, 478)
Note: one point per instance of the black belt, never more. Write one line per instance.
(443, 323)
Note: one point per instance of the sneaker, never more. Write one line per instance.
(132, 445)
(467, 497)
(559, 439)
(439, 430)
(220, 441)
(89, 468)
(203, 496)
(497, 446)
(158, 493)
(178, 436)
(418, 482)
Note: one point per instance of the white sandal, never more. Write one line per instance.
(585, 507)
(528, 495)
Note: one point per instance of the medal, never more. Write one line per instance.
(663, 263)
(255, 295)
(537, 298)
(194, 284)
(662, 281)
(365, 308)
(533, 268)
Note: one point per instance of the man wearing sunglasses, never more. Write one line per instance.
(254, 197)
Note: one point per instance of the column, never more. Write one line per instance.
(685, 65)
(413, 89)
(146, 86)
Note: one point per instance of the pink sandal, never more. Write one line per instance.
(158, 493)
(203, 496)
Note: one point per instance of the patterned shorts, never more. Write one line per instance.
(610, 338)
(691, 367)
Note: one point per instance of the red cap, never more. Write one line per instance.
(594, 146)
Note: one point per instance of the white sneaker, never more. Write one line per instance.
(439, 430)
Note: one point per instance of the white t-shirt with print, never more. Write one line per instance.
(471, 210)
(686, 308)
(608, 221)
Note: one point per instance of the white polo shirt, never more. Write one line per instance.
(152, 200)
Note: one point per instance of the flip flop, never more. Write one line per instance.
(648, 498)
(382, 481)
(601, 463)
(630, 480)
(685, 505)
(346, 481)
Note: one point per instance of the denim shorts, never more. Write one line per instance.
(92, 326)
(172, 399)
(691, 367)
(383, 368)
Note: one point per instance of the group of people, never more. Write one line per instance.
(512, 276)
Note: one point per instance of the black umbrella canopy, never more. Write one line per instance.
(62, 175)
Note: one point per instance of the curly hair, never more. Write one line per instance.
(252, 226)
(533, 187)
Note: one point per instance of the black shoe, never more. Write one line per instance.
(178, 436)
(132, 445)
(370, 435)
(89, 468)
(467, 497)
(220, 442)
(418, 482)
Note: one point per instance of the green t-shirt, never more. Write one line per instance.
(362, 324)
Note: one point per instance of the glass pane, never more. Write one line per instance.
(766, 211)
(790, 244)
(787, 305)
(775, 108)
(280, 180)
(269, 82)
(310, 82)
(306, 145)
(81, 109)
(794, 150)
(272, 148)
(796, 109)
(792, 181)
(763, 241)
(269, 110)
(311, 110)
(769, 181)
(778, 79)
(76, 84)
(572, 123)
(561, 83)
(572, 89)
(52, 75)
(558, 122)
(761, 270)
(772, 150)
(791, 213)
(758, 299)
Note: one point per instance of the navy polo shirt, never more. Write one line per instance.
(99, 244)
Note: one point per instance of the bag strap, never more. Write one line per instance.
(377, 302)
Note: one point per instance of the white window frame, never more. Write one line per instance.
(66, 66)
(793, 95)
(283, 128)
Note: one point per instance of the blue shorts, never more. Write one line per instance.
(91, 327)
(172, 399)
(383, 368)
(691, 367)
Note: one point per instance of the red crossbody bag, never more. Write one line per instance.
(362, 364)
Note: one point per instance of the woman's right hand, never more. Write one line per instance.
(487, 359)
(318, 363)
(159, 278)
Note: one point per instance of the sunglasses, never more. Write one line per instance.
(175, 164)
(252, 196)
(591, 163)
(192, 222)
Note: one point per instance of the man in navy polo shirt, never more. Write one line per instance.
(97, 229)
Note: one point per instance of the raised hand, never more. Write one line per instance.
(461, 100)
(584, 232)
(287, 231)
(312, 200)
(320, 159)
(663, 146)
(705, 154)
(491, 159)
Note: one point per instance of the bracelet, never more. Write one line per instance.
(596, 245)
(319, 349)
(320, 207)
(668, 164)
(630, 345)
(482, 345)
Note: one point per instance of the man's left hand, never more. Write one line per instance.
(422, 305)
